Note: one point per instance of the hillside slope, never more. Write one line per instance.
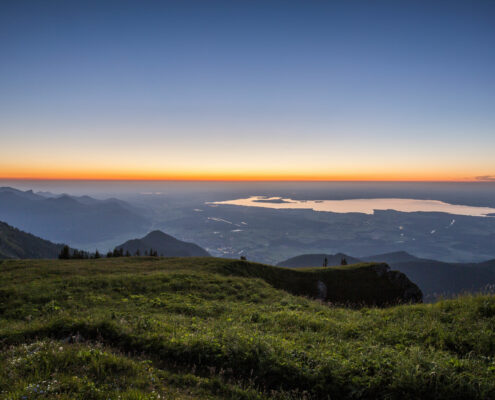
(164, 244)
(195, 328)
(15, 243)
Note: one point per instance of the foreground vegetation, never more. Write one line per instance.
(149, 328)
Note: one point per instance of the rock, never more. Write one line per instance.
(380, 269)
(411, 292)
(322, 290)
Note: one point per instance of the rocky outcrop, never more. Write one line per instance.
(322, 290)
(361, 284)
(411, 292)
(365, 284)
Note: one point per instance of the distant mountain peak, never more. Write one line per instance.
(164, 244)
(401, 253)
(157, 234)
(64, 199)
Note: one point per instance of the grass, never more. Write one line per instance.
(149, 328)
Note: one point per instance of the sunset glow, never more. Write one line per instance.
(321, 92)
(69, 172)
(234, 177)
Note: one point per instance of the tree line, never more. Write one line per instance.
(67, 254)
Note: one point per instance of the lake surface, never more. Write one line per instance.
(365, 206)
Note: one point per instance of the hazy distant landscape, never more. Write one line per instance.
(262, 234)
(187, 212)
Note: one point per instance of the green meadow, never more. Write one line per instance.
(192, 328)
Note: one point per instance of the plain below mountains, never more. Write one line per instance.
(71, 219)
(434, 278)
(15, 243)
(164, 245)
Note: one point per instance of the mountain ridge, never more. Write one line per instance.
(317, 260)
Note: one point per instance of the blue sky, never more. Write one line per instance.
(330, 90)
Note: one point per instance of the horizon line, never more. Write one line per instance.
(243, 180)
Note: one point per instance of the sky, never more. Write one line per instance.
(247, 90)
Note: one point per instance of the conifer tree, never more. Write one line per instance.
(64, 253)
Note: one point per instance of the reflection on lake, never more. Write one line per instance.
(366, 206)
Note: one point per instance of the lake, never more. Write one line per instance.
(365, 206)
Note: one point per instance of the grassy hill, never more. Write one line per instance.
(149, 328)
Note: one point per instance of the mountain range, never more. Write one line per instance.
(71, 219)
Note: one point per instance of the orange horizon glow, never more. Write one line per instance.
(112, 171)
(238, 177)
